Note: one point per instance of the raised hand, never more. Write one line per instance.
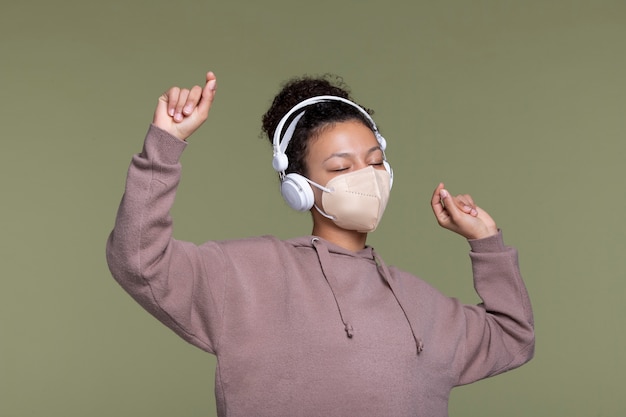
(181, 111)
(460, 215)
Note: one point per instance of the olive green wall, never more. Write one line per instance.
(521, 104)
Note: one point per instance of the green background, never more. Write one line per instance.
(521, 104)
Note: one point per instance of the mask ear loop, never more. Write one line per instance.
(325, 189)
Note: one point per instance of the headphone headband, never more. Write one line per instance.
(280, 162)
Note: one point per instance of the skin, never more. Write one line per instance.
(338, 149)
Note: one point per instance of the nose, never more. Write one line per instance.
(360, 164)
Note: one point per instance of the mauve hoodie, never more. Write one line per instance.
(303, 327)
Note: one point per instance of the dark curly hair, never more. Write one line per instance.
(316, 118)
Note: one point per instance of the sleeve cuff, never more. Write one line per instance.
(162, 146)
(493, 243)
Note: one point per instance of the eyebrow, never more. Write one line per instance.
(348, 154)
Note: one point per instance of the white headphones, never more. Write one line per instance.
(295, 188)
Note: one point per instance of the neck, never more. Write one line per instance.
(347, 239)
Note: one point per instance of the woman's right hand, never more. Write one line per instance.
(182, 111)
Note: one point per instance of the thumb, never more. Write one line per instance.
(162, 103)
(449, 202)
(208, 93)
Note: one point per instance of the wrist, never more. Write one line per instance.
(483, 234)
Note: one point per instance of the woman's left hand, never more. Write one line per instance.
(460, 215)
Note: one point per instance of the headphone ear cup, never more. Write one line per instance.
(297, 192)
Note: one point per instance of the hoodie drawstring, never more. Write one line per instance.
(324, 258)
(384, 271)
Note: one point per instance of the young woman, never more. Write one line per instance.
(316, 325)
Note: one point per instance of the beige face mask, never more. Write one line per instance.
(356, 200)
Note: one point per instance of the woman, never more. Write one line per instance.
(317, 325)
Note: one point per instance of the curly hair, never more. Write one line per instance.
(317, 117)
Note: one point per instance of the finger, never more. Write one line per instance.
(451, 204)
(469, 206)
(192, 100)
(182, 99)
(465, 203)
(435, 202)
(172, 98)
(208, 94)
(438, 206)
(162, 104)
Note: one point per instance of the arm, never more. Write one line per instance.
(167, 277)
(499, 332)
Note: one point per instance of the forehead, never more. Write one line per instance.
(351, 136)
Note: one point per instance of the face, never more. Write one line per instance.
(342, 148)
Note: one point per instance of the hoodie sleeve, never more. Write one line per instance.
(499, 331)
(167, 277)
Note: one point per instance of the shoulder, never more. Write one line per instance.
(254, 256)
(253, 247)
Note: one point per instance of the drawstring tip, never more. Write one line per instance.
(349, 330)
(420, 347)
